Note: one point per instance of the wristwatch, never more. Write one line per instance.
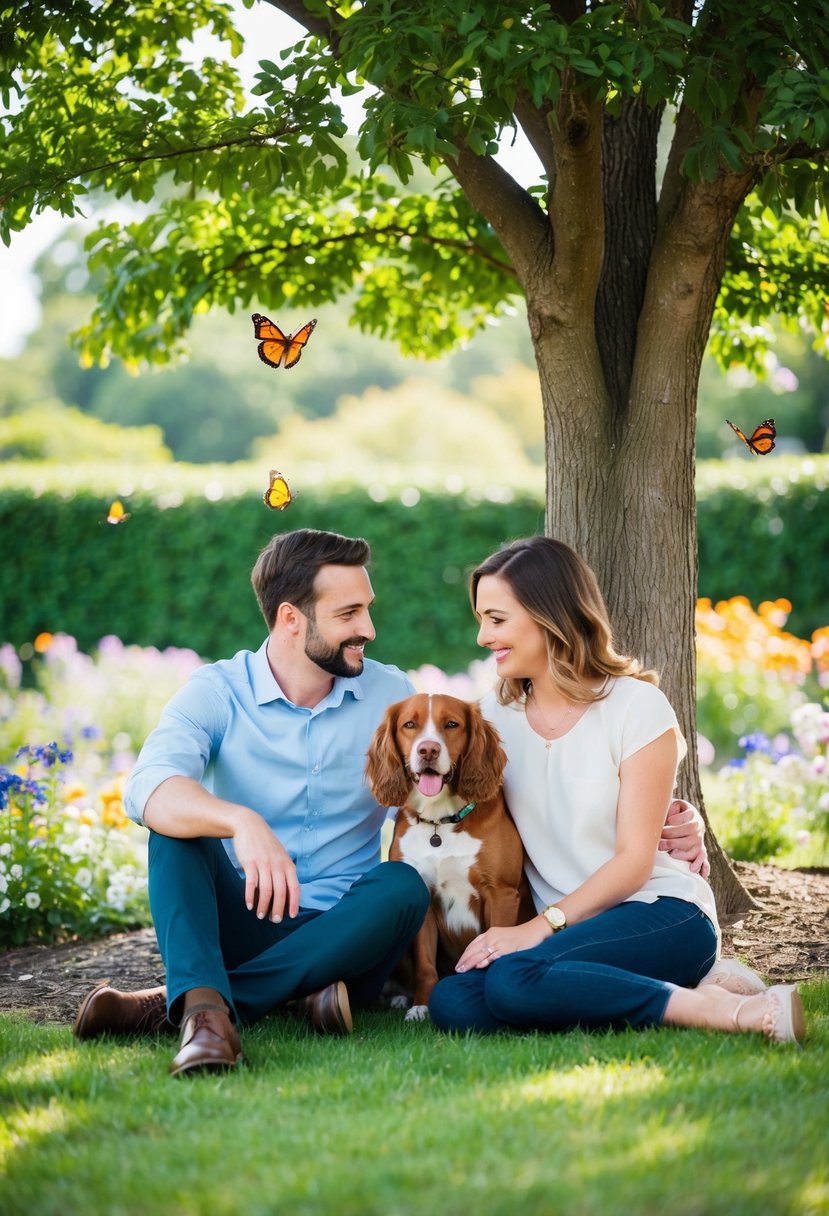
(554, 917)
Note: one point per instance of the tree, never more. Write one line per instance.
(622, 274)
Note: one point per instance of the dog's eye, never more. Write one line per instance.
(451, 725)
(409, 726)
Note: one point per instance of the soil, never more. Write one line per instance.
(785, 938)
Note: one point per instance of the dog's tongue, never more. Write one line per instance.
(430, 784)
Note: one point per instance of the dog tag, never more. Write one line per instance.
(435, 840)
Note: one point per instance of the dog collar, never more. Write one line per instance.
(435, 840)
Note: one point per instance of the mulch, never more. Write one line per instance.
(785, 937)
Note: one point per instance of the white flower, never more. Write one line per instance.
(16, 871)
(5, 905)
(83, 878)
(823, 802)
(803, 837)
(32, 899)
(4, 884)
(5, 849)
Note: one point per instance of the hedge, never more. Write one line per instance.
(177, 572)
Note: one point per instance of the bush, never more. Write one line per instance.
(177, 572)
(70, 865)
(57, 432)
(774, 800)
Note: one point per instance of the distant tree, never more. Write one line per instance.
(622, 274)
(412, 432)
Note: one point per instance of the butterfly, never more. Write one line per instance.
(276, 346)
(117, 514)
(762, 440)
(278, 494)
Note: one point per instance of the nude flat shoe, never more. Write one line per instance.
(734, 976)
(784, 1020)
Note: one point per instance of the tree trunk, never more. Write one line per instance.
(619, 371)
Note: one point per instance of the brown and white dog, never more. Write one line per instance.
(439, 760)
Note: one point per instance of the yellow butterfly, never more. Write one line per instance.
(117, 514)
(278, 494)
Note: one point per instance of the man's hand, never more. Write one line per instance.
(683, 836)
(270, 875)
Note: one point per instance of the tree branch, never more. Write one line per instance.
(533, 122)
(315, 25)
(576, 211)
(518, 221)
(88, 171)
(308, 245)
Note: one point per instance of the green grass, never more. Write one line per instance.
(399, 1119)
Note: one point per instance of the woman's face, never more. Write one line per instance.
(508, 630)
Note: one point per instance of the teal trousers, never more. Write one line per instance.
(209, 939)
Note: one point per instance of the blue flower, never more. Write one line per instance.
(13, 787)
(49, 754)
(758, 742)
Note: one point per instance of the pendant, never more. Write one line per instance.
(435, 840)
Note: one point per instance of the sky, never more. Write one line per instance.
(265, 31)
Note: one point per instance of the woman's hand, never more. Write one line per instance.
(495, 943)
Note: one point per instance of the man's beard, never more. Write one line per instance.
(331, 658)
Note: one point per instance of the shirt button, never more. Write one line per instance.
(315, 769)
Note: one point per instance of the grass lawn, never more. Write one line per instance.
(399, 1119)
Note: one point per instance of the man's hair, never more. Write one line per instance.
(286, 568)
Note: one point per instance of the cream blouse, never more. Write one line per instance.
(563, 793)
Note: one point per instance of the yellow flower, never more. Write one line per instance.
(73, 791)
(113, 815)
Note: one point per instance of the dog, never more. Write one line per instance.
(441, 763)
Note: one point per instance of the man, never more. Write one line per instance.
(265, 752)
(265, 879)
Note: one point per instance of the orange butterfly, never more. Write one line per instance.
(276, 346)
(762, 440)
(117, 514)
(278, 494)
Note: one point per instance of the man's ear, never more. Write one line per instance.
(289, 618)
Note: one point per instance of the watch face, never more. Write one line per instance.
(555, 917)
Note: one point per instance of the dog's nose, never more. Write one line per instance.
(428, 750)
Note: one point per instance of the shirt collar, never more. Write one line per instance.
(266, 687)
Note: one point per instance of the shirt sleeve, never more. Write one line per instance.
(648, 714)
(190, 728)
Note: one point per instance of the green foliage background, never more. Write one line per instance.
(177, 572)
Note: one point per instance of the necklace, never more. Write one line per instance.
(551, 729)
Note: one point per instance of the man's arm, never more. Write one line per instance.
(182, 808)
(683, 836)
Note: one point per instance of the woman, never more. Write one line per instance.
(624, 932)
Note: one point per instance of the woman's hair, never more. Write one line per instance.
(560, 592)
(286, 568)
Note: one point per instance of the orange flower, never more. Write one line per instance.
(42, 642)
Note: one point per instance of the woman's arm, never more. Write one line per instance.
(646, 781)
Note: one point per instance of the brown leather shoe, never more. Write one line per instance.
(208, 1040)
(328, 1010)
(107, 1011)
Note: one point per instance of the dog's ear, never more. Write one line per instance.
(385, 772)
(481, 769)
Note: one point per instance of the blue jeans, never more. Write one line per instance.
(616, 969)
(209, 939)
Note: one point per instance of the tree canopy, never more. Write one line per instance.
(248, 200)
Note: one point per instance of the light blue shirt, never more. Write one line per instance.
(233, 729)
